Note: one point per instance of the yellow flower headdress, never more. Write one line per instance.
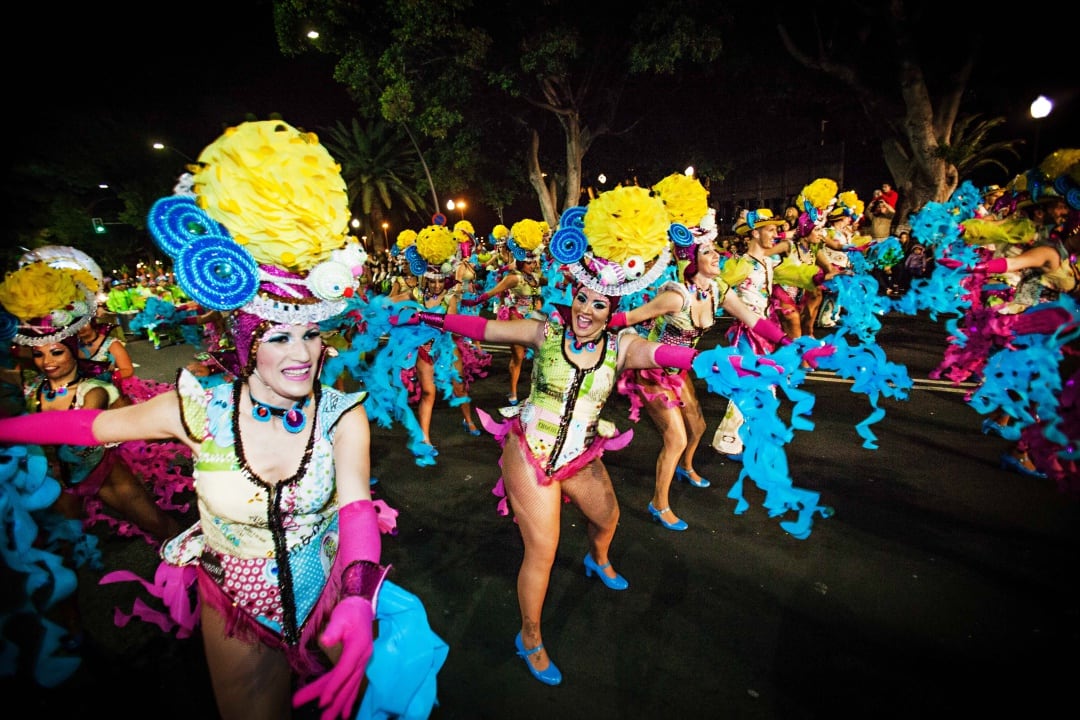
(267, 229)
(619, 244)
(50, 303)
(526, 238)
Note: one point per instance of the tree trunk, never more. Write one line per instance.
(544, 194)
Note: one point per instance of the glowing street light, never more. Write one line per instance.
(459, 204)
(1040, 108)
(163, 146)
(386, 239)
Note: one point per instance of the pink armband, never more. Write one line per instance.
(617, 321)
(674, 356)
(71, 427)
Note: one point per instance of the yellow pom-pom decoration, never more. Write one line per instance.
(36, 289)
(278, 192)
(735, 270)
(791, 273)
(527, 234)
(500, 232)
(625, 222)
(405, 238)
(463, 231)
(1060, 162)
(685, 198)
(436, 244)
(819, 194)
(1013, 230)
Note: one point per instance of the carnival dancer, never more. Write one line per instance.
(1044, 263)
(518, 289)
(680, 314)
(759, 227)
(552, 448)
(437, 246)
(800, 303)
(286, 550)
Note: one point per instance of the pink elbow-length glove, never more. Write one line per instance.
(675, 356)
(771, 331)
(470, 326)
(71, 427)
(352, 619)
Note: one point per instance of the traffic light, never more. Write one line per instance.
(99, 226)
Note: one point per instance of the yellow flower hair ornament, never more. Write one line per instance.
(526, 238)
(618, 245)
(435, 246)
(49, 302)
(266, 229)
(499, 234)
(818, 199)
(685, 198)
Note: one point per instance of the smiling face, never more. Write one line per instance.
(287, 362)
(55, 361)
(708, 260)
(589, 313)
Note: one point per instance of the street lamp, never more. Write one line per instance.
(1040, 108)
(385, 238)
(163, 146)
(459, 204)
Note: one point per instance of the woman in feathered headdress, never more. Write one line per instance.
(553, 446)
(50, 300)
(286, 550)
(681, 312)
(436, 247)
(797, 291)
(517, 288)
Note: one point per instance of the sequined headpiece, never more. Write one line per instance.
(262, 227)
(619, 244)
(52, 295)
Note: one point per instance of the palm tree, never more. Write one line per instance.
(381, 171)
(970, 150)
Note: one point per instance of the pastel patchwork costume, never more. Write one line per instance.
(559, 425)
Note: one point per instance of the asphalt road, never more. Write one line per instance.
(942, 583)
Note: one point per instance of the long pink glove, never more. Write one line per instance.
(993, 266)
(352, 618)
(470, 326)
(72, 427)
(674, 356)
(771, 331)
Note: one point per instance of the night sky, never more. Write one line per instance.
(180, 73)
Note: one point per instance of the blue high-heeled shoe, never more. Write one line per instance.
(548, 676)
(615, 583)
(682, 474)
(1011, 462)
(678, 525)
(475, 432)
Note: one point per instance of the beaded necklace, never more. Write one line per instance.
(292, 419)
(50, 393)
(577, 347)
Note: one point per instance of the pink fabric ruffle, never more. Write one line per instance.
(501, 430)
(630, 385)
